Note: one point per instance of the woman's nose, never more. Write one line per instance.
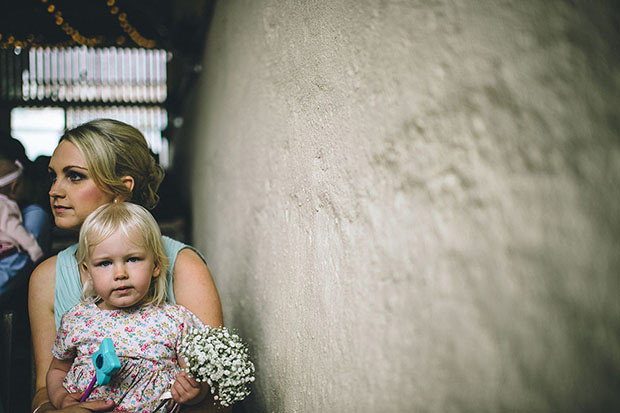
(56, 190)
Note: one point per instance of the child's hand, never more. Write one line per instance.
(186, 390)
(70, 399)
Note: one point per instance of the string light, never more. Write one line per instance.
(128, 28)
(69, 30)
(8, 41)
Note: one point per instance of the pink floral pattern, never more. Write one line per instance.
(147, 340)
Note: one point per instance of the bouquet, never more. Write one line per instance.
(219, 358)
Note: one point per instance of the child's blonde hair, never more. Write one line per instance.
(136, 223)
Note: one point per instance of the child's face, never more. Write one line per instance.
(121, 271)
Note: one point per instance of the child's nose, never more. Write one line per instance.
(119, 272)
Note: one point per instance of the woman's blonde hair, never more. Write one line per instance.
(135, 222)
(113, 150)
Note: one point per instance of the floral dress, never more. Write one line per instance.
(147, 341)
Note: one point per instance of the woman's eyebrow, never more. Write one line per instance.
(66, 168)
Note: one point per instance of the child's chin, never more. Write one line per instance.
(128, 304)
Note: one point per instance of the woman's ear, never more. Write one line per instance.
(129, 182)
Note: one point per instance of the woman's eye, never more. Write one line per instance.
(75, 176)
(52, 177)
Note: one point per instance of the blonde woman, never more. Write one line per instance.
(94, 164)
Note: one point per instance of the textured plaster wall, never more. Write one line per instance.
(411, 205)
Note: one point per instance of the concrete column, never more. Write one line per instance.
(413, 206)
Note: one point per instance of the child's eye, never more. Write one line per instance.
(103, 264)
(133, 259)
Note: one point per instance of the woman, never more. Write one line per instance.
(99, 162)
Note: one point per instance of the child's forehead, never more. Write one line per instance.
(121, 238)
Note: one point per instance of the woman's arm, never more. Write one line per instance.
(195, 289)
(42, 324)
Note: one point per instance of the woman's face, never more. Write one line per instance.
(73, 194)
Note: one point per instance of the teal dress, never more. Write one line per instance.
(68, 289)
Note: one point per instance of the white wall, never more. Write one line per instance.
(413, 206)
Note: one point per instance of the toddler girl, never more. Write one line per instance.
(122, 263)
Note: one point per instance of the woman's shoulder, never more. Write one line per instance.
(68, 252)
(173, 246)
(185, 261)
(190, 270)
(66, 264)
(45, 271)
(176, 249)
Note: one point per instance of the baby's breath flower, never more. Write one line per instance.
(220, 359)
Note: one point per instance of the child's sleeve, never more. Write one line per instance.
(64, 346)
(188, 322)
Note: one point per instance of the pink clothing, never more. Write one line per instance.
(12, 229)
(147, 341)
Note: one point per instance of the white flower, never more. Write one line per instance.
(219, 358)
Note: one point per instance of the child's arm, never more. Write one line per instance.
(55, 375)
(186, 390)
